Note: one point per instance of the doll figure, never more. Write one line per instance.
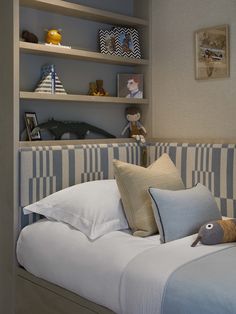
(136, 129)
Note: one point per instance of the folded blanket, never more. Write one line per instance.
(145, 278)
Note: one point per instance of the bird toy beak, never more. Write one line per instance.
(196, 241)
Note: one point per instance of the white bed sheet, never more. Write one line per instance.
(123, 273)
(64, 256)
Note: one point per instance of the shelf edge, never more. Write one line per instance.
(81, 98)
(75, 142)
(85, 12)
(79, 54)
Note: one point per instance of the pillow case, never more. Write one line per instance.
(181, 213)
(133, 182)
(93, 207)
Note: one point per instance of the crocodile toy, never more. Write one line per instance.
(58, 128)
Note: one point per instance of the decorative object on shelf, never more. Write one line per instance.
(130, 85)
(31, 123)
(216, 232)
(81, 129)
(107, 41)
(135, 128)
(92, 89)
(120, 41)
(29, 37)
(96, 89)
(212, 52)
(50, 83)
(53, 36)
(127, 42)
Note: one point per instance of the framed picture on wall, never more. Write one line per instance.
(31, 122)
(212, 52)
(130, 85)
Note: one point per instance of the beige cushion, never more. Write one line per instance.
(133, 182)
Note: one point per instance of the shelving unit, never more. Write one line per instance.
(65, 8)
(82, 98)
(84, 12)
(76, 142)
(41, 49)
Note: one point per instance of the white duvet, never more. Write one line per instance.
(123, 273)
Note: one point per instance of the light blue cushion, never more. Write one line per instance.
(181, 213)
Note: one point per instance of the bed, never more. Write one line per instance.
(120, 273)
(127, 274)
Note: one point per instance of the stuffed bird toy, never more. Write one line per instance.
(216, 232)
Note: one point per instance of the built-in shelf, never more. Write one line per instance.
(41, 49)
(82, 98)
(85, 12)
(75, 142)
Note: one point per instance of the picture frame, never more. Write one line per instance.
(212, 53)
(31, 122)
(107, 42)
(130, 85)
(127, 42)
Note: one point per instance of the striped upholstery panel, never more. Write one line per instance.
(213, 165)
(45, 170)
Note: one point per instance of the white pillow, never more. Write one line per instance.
(93, 207)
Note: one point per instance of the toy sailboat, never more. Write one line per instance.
(50, 82)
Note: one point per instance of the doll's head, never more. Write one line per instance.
(133, 114)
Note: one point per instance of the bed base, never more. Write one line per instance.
(37, 296)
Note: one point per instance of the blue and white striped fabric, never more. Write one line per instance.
(45, 170)
(213, 165)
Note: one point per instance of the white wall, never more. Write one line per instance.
(184, 107)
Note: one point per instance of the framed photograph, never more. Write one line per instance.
(107, 41)
(31, 122)
(127, 42)
(130, 85)
(212, 52)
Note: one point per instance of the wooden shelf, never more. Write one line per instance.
(84, 12)
(41, 49)
(75, 142)
(82, 98)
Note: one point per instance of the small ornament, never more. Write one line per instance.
(29, 37)
(53, 36)
(92, 88)
(100, 90)
(96, 89)
(50, 82)
(81, 129)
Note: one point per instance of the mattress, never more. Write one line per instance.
(126, 274)
(93, 269)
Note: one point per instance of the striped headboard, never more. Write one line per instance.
(213, 165)
(47, 169)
